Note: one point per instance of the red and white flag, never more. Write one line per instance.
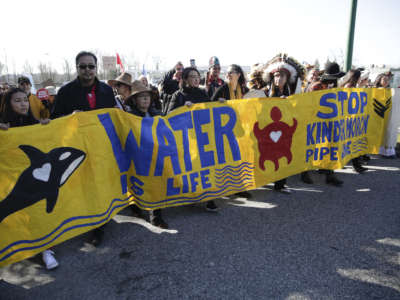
(119, 62)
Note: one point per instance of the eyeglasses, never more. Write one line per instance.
(83, 67)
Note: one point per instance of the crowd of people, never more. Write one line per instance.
(282, 76)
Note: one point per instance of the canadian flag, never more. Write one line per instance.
(119, 62)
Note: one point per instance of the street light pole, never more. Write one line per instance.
(350, 38)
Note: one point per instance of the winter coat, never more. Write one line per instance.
(194, 95)
(152, 112)
(20, 120)
(168, 86)
(73, 96)
(38, 109)
(223, 92)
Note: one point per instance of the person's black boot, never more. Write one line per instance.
(97, 236)
(136, 211)
(244, 194)
(306, 178)
(333, 180)
(211, 206)
(157, 220)
(357, 165)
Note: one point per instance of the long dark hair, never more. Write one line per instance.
(242, 78)
(8, 115)
(185, 75)
(378, 79)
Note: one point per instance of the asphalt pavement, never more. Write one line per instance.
(321, 242)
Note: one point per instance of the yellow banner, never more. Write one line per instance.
(68, 177)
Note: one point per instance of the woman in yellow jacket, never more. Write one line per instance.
(38, 109)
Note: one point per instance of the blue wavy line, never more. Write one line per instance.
(234, 178)
(360, 143)
(235, 183)
(61, 233)
(235, 170)
(356, 151)
(360, 147)
(64, 223)
(153, 204)
(234, 167)
(235, 188)
(245, 169)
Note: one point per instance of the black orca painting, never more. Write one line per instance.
(42, 179)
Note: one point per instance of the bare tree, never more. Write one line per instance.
(46, 72)
(2, 67)
(67, 70)
(27, 68)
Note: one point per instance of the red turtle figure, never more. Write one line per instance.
(275, 139)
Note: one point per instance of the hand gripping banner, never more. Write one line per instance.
(63, 179)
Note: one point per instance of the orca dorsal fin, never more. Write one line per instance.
(33, 153)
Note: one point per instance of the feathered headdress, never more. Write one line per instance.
(282, 62)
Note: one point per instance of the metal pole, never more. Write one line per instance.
(350, 39)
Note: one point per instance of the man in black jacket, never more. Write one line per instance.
(86, 92)
(83, 94)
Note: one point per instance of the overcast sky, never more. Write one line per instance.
(242, 32)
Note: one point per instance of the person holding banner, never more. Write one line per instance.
(16, 112)
(350, 80)
(189, 94)
(283, 76)
(140, 103)
(156, 102)
(234, 88)
(85, 93)
(329, 80)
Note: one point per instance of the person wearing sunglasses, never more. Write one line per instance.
(86, 92)
(234, 88)
(190, 93)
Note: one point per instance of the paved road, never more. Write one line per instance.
(321, 242)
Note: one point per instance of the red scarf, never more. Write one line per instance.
(91, 97)
(212, 79)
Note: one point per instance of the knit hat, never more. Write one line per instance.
(214, 61)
